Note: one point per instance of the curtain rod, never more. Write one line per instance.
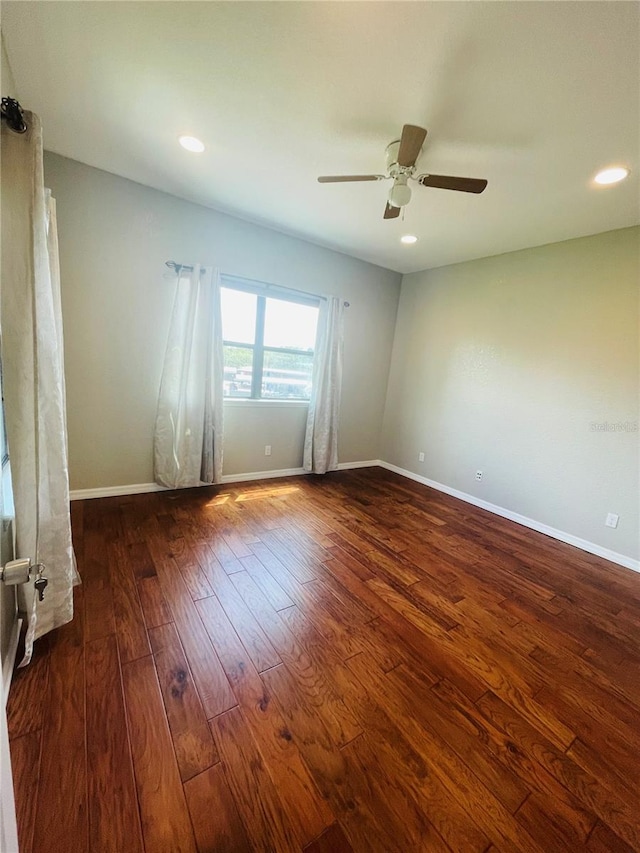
(11, 112)
(173, 265)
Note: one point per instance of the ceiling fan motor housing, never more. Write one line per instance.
(392, 155)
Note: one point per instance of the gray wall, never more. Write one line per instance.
(504, 364)
(6, 75)
(115, 236)
(501, 364)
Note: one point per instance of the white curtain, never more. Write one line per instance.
(33, 374)
(188, 434)
(321, 438)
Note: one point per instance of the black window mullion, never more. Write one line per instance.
(258, 350)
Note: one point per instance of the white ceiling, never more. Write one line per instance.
(534, 96)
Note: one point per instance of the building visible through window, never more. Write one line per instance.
(269, 339)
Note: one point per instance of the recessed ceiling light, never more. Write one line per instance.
(611, 176)
(191, 144)
(408, 239)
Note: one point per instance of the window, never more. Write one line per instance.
(269, 339)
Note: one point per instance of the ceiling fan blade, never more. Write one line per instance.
(332, 179)
(391, 212)
(446, 182)
(410, 144)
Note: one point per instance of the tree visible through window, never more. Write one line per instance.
(268, 344)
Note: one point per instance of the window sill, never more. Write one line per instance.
(269, 404)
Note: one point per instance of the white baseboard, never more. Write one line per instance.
(262, 475)
(368, 463)
(114, 491)
(291, 472)
(569, 538)
(143, 488)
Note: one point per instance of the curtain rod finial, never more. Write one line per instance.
(13, 115)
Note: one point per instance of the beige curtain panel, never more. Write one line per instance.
(32, 362)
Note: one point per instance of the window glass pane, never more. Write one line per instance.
(286, 375)
(288, 324)
(238, 315)
(238, 363)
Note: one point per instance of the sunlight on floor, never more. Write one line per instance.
(219, 500)
(276, 492)
(256, 495)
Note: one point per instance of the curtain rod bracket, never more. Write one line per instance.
(12, 113)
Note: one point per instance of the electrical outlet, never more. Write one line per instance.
(267, 450)
(420, 457)
(612, 519)
(478, 475)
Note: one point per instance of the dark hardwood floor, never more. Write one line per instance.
(347, 663)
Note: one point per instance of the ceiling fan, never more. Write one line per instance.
(401, 168)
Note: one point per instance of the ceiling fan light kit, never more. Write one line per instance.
(400, 193)
(401, 157)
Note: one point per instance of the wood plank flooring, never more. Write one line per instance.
(346, 663)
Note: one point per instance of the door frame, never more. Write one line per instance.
(8, 825)
(8, 609)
